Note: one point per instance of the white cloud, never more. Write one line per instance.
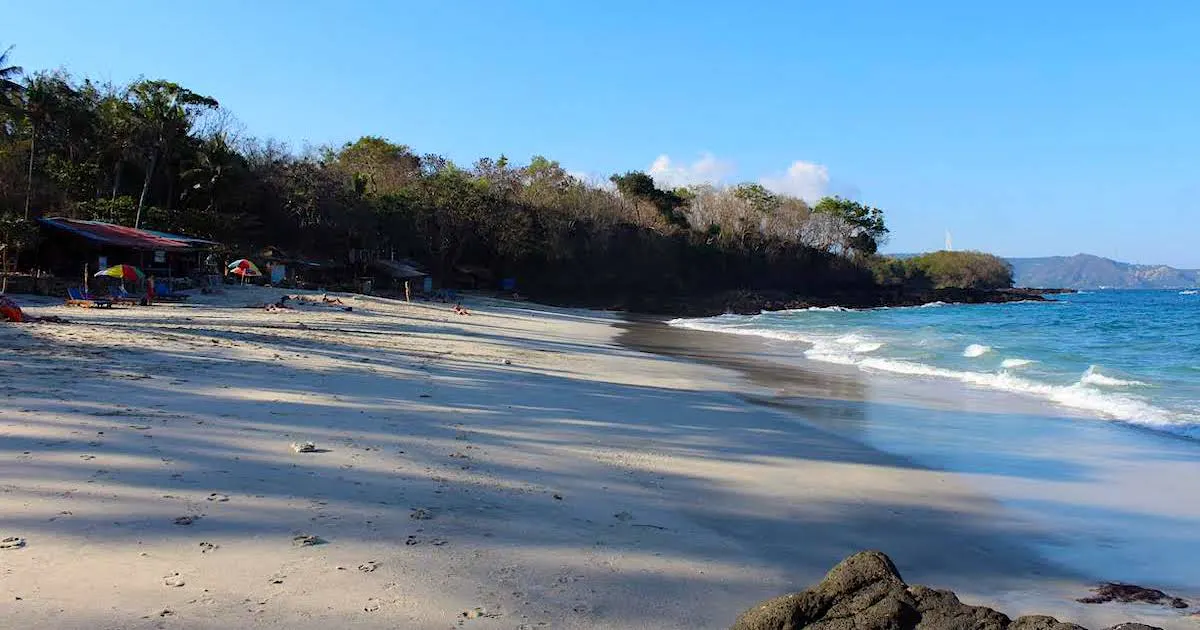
(706, 170)
(806, 180)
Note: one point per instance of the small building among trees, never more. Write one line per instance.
(66, 245)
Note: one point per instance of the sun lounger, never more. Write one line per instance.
(76, 297)
(163, 292)
(121, 296)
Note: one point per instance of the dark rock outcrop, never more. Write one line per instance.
(866, 592)
(1128, 593)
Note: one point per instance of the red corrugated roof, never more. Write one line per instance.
(118, 235)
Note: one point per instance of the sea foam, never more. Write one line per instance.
(1092, 393)
(1012, 364)
(976, 350)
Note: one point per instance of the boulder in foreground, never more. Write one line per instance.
(866, 592)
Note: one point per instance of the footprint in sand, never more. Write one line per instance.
(206, 547)
(276, 579)
(12, 542)
(368, 566)
(173, 580)
(186, 520)
(372, 605)
(217, 497)
(478, 612)
(421, 514)
(306, 540)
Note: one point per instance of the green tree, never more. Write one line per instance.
(117, 126)
(165, 112)
(16, 233)
(214, 181)
(10, 89)
(963, 270)
(380, 166)
(639, 187)
(866, 230)
(758, 197)
(46, 98)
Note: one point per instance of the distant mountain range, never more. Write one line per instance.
(1084, 271)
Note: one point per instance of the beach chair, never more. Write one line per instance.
(120, 296)
(76, 297)
(163, 293)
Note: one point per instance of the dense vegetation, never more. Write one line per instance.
(157, 155)
(946, 270)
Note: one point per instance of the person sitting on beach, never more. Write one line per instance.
(10, 311)
(458, 308)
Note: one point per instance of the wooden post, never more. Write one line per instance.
(407, 290)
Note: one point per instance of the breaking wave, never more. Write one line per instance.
(976, 350)
(1093, 392)
(1093, 377)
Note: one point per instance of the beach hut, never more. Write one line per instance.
(283, 268)
(67, 245)
(398, 276)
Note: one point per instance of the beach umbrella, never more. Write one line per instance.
(124, 272)
(243, 268)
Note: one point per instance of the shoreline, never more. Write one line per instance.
(938, 424)
(518, 466)
(753, 302)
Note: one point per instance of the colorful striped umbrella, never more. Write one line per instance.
(244, 268)
(124, 272)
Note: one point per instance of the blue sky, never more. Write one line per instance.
(1025, 128)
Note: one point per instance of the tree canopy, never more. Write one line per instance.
(156, 154)
(947, 270)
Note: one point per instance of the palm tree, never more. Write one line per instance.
(9, 88)
(166, 112)
(41, 101)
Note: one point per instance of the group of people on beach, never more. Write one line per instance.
(283, 303)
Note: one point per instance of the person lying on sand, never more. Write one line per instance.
(328, 300)
(281, 305)
(10, 312)
(458, 308)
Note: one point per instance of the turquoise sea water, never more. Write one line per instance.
(1125, 356)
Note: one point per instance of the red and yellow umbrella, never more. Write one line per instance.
(244, 268)
(124, 272)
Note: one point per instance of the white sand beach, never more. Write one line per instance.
(515, 468)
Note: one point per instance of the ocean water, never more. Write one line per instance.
(1123, 356)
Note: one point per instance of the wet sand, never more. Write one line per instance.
(1097, 499)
